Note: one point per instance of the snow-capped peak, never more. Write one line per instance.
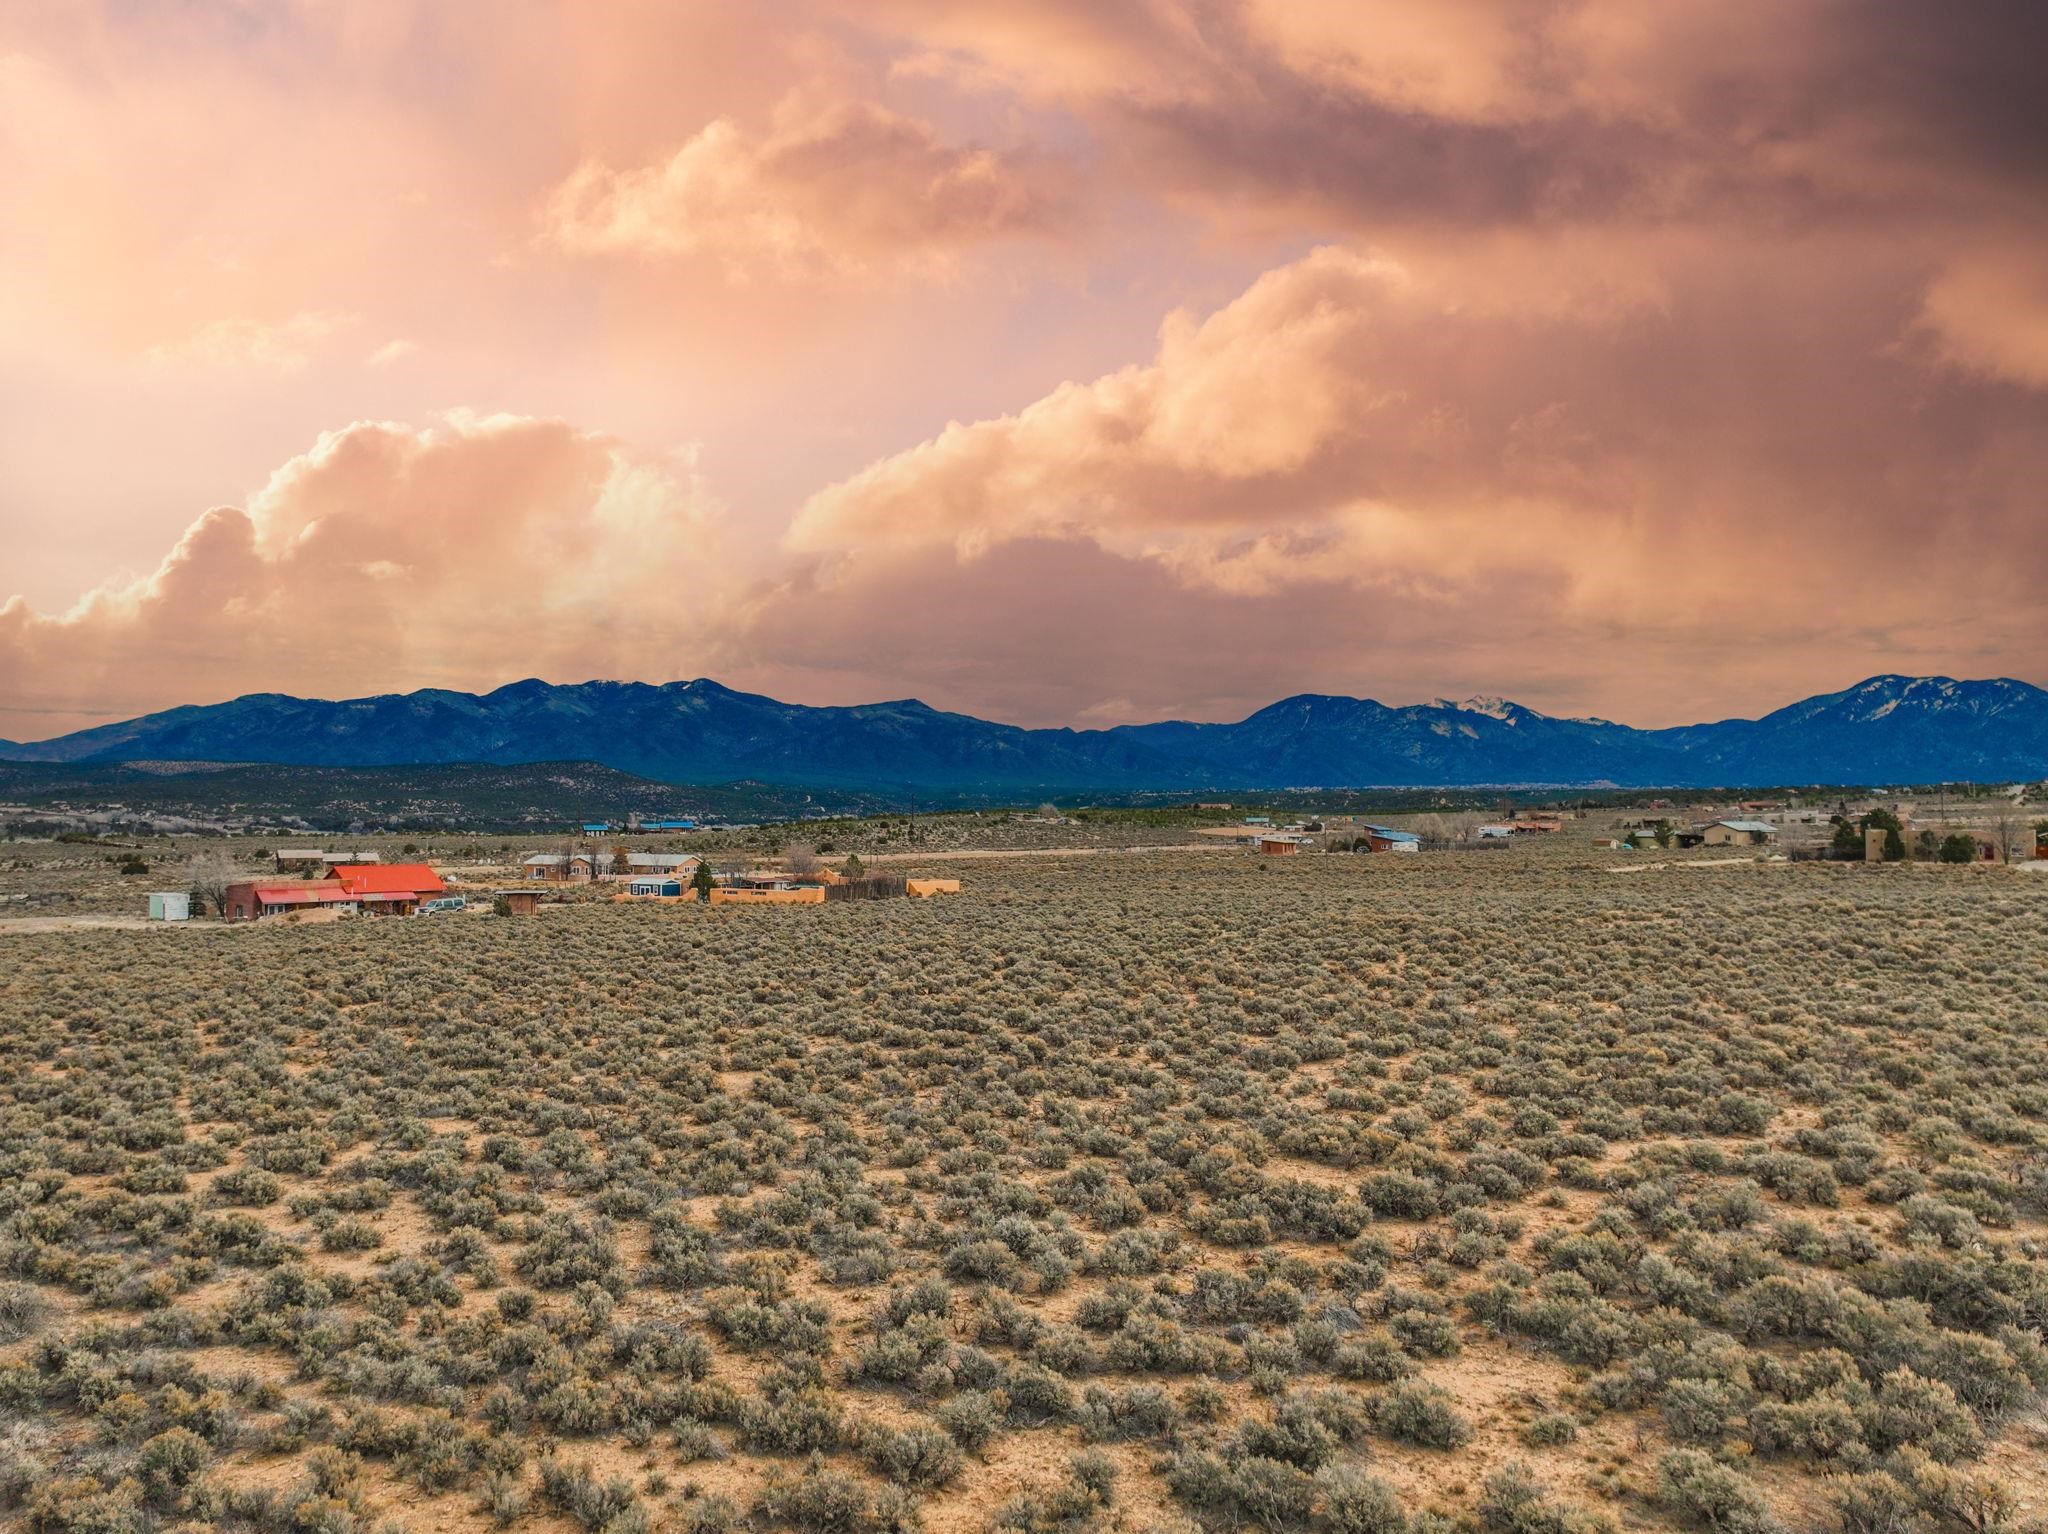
(1493, 708)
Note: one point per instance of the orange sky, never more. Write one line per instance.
(1073, 361)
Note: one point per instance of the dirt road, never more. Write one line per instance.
(120, 923)
(965, 854)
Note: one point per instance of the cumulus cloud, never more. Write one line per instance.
(829, 188)
(1333, 424)
(388, 556)
(1351, 431)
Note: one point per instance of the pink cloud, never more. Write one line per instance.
(388, 556)
(1687, 474)
(1619, 356)
(829, 188)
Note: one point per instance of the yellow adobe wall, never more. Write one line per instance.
(925, 888)
(810, 894)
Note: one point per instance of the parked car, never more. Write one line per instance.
(444, 903)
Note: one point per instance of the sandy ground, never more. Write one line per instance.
(124, 923)
(1643, 868)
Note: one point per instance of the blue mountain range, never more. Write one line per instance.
(1884, 730)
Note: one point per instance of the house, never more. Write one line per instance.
(334, 860)
(1387, 839)
(300, 899)
(1258, 820)
(1737, 833)
(390, 889)
(1280, 845)
(1988, 848)
(594, 827)
(676, 865)
(170, 905)
(654, 887)
(555, 867)
(924, 889)
(668, 825)
(289, 859)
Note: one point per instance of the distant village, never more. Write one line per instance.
(316, 885)
(644, 859)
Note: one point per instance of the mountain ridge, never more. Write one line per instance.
(1886, 728)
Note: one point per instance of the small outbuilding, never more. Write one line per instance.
(170, 905)
(517, 902)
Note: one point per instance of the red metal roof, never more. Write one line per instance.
(302, 892)
(390, 878)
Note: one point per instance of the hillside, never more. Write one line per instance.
(515, 797)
